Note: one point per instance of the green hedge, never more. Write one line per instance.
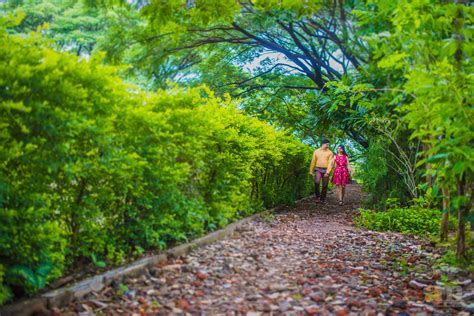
(415, 220)
(93, 167)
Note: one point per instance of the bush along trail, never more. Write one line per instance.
(93, 170)
(306, 260)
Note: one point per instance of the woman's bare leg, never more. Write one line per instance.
(343, 192)
(339, 192)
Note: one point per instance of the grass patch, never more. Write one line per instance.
(410, 220)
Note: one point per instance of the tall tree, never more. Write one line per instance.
(73, 25)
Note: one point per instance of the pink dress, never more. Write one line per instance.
(341, 174)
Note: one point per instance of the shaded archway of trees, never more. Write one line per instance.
(311, 45)
(390, 76)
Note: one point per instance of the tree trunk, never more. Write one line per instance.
(463, 212)
(445, 219)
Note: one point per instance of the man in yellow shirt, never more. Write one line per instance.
(323, 161)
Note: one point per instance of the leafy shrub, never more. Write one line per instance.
(92, 168)
(378, 180)
(414, 219)
(5, 293)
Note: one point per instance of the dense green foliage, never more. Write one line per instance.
(74, 26)
(91, 166)
(375, 177)
(426, 52)
(413, 220)
(429, 47)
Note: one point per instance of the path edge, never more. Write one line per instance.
(61, 297)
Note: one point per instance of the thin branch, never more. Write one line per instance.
(254, 77)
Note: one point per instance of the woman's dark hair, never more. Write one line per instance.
(343, 149)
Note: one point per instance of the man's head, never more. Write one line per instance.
(325, 144)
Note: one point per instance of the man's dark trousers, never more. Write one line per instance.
(319, 175)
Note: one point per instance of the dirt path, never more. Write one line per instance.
(305, 260)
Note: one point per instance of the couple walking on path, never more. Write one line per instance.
(321, 166)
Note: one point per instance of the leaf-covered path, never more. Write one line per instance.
(305, 260)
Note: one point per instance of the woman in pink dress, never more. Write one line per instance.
(341, 175)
